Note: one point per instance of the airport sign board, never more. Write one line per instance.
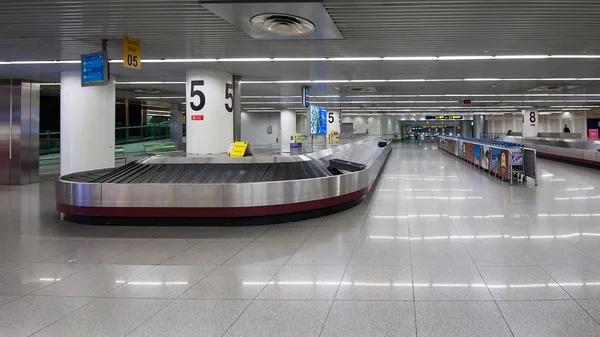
(132, 53)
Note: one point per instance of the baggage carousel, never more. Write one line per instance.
(579, 151)
(223, 187)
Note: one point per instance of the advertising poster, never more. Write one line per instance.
(485, 156)
(469, 152)
(495, 160)
(504, 169)
(477, 155)
(318, 120)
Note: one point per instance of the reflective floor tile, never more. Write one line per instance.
(285, 234)
(238, 234)
(94, 281)
(281, 318)
(264, 254)
(381, 253)
(162, 282)
(343, 219)
(29, 314)
(386, 220)
(460, 318)
(370, 318)
(105, 317)
(548, 319)
(347, 234)
(592, 306)
(498, 253)
(384, 233)
(7, 267)
(428, 217)
(36, 276)
(313, 222)
(304, 283)
(233, 282)
(322, 254)
(96, 252)
(376, 283)
(151, 253)
(33, 250)
(194, 232)
(449, 283)
(8, 298)
(581, 282)
(557, 253)
(521, 283)
(190, 318)
(434, 233)
(207, 253)
(439, 254)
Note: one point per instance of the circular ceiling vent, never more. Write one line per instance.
(283, 24)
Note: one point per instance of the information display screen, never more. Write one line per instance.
(305, 96)
(94, 69)
(318, 120)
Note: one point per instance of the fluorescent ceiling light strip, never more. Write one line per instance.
(150, 82)
(452, 58)
(410, 58)
(520, 57)
(354, 58)
(309, 59)
(574, 56)
(298, 59)
(246, 59)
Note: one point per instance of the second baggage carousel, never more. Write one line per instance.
(223, 187)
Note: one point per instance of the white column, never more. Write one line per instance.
(287, 122)
(530, 123)
(209, 107)
(87, 125)
(333, 121)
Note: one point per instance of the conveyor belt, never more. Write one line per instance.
(136, 173)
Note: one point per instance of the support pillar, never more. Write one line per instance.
(530, 123)
(287, 122)
(19, 132)
(209, 111)
(87, 125)
(465, 129)
(176, 131)
(333, 122)
(237, 108)
(479, 125)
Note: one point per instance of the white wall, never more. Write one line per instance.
(548, 123)
(389, 125)
(360, 122)
(301, 123)
(254, 127)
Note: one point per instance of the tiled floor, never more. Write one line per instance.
(438, 249)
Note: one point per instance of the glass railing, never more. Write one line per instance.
(50, 140)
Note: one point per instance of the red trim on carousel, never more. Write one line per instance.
(208, 212)
(571, 159)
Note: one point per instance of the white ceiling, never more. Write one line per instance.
(65, 29)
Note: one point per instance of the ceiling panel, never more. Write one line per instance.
(65, 29)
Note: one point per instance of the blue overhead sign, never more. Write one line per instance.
(94, 69)
(306, 96)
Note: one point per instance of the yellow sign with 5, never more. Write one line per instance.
(132, 53)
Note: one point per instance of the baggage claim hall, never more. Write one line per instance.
(299, 168)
